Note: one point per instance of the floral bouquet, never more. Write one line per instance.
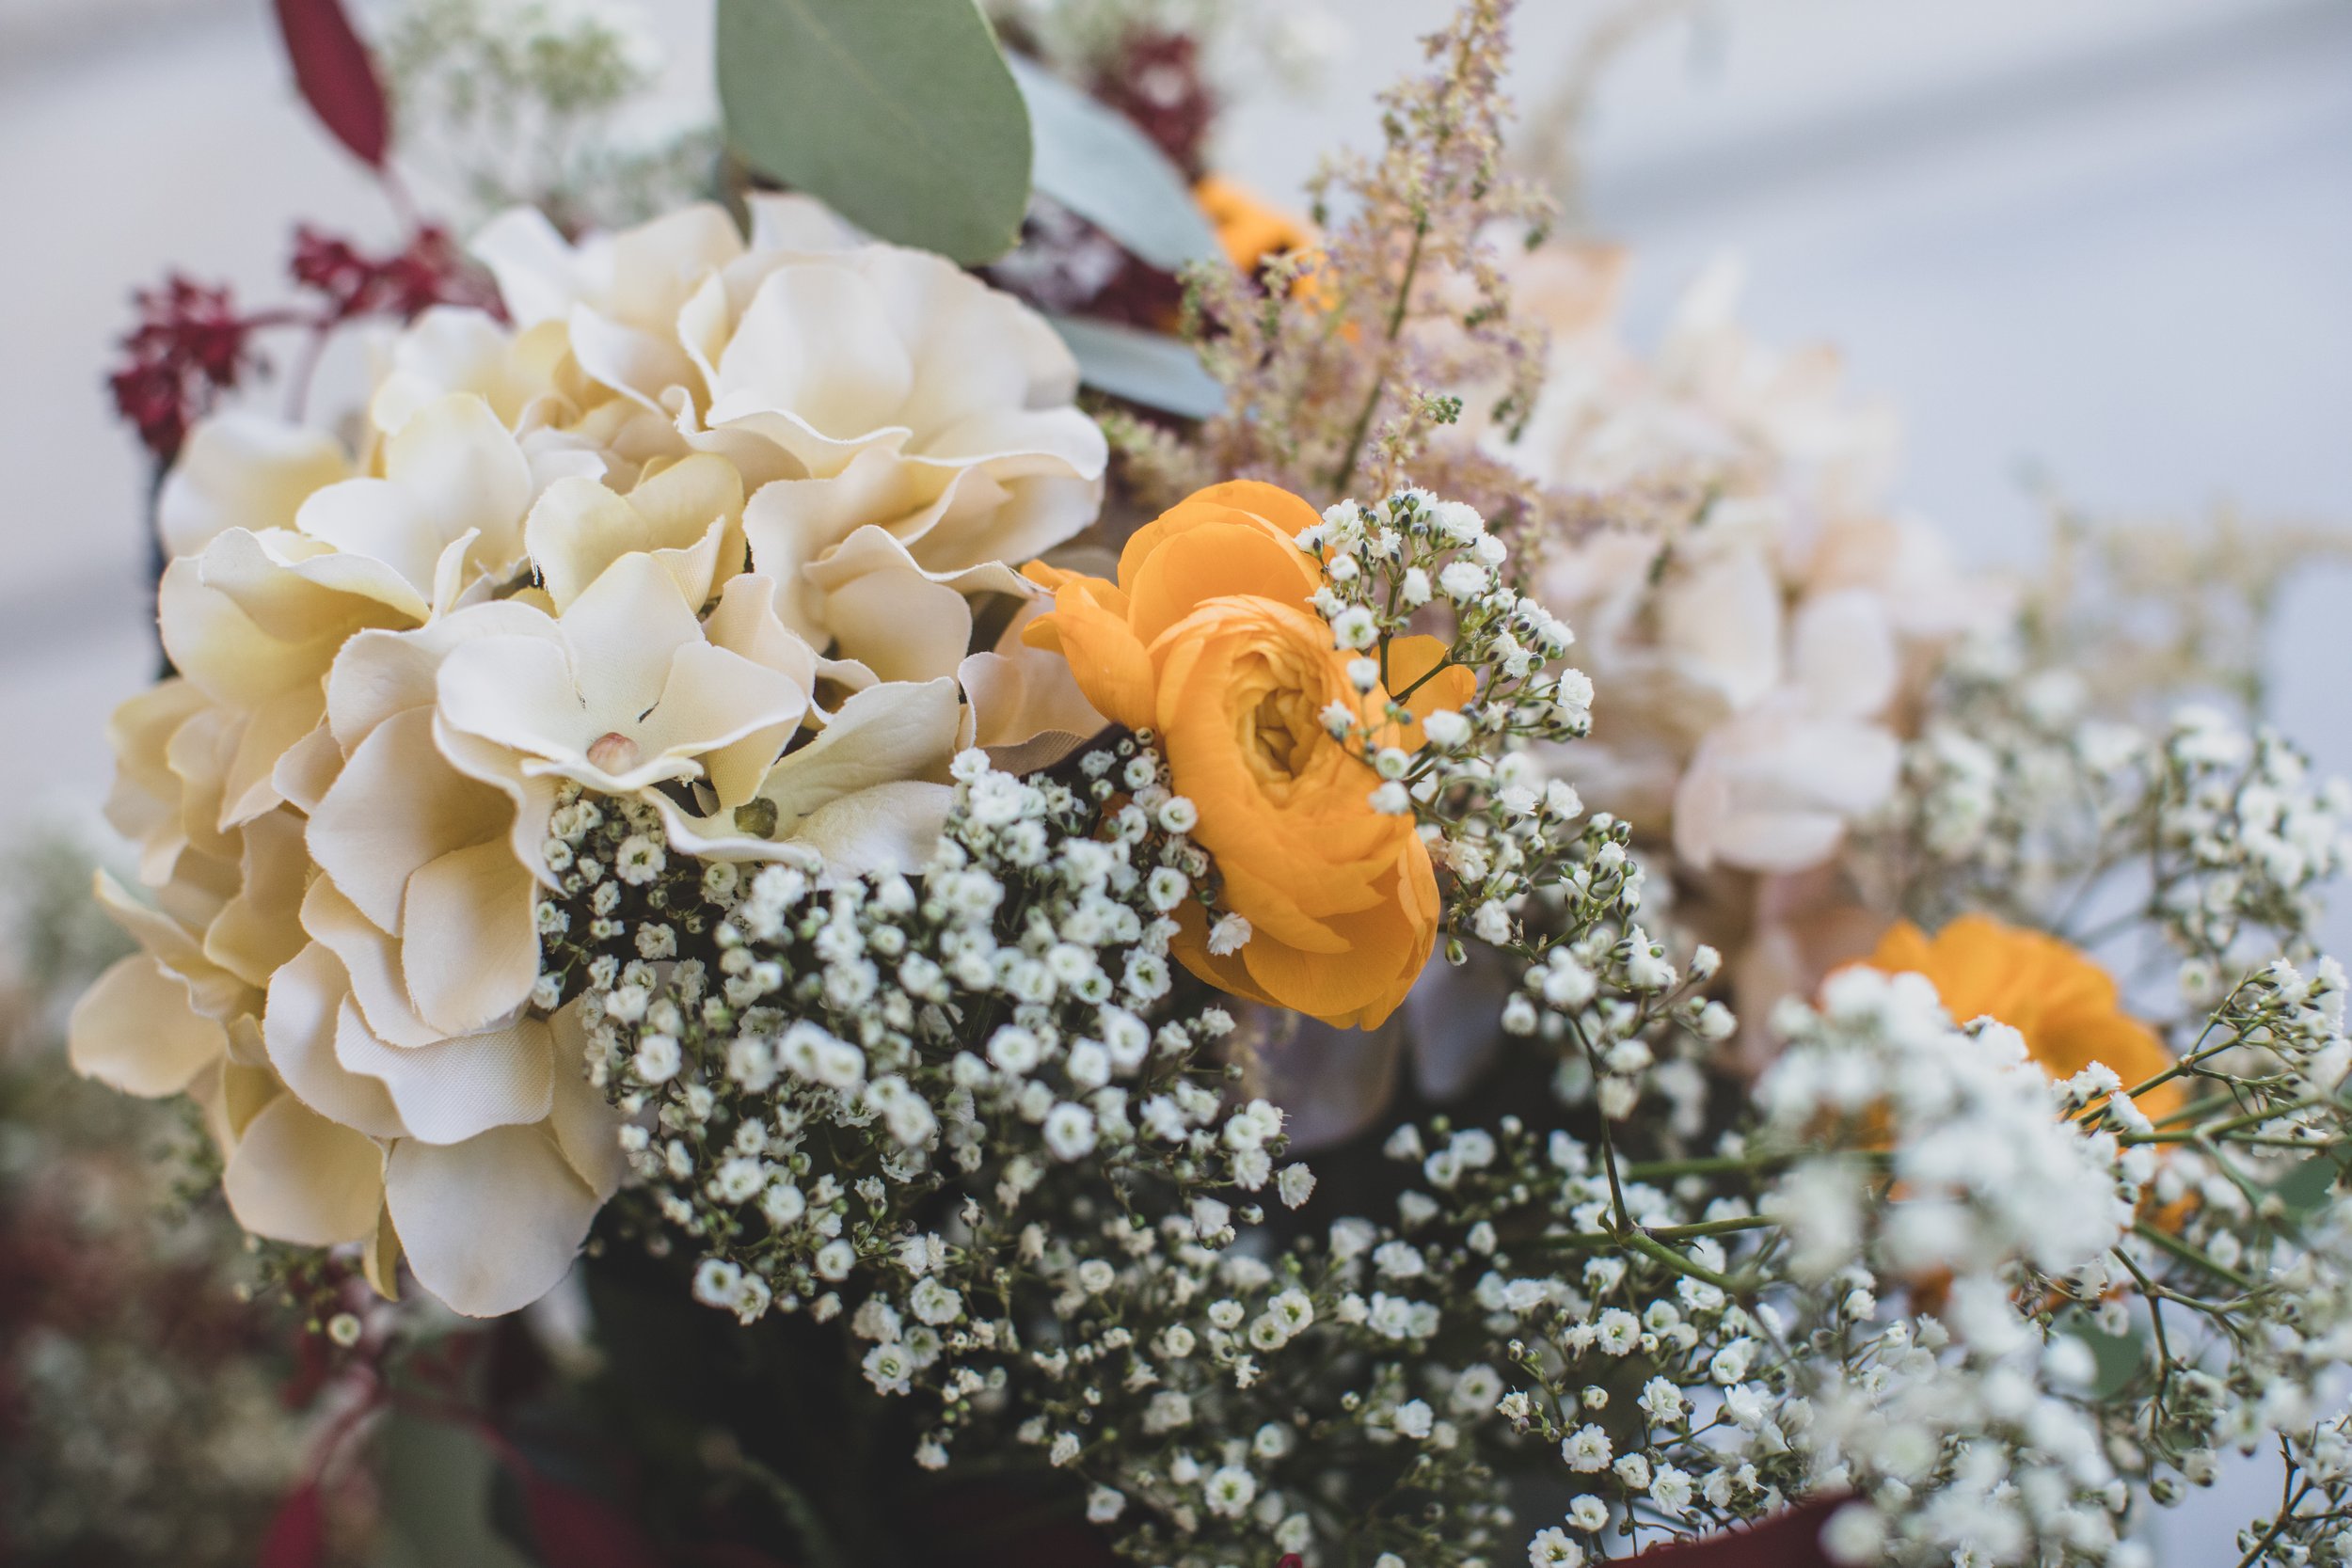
(906, 863)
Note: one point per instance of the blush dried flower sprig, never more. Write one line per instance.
(1340, 364)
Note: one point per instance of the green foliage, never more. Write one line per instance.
(904, 118)
(1094, 161)
(1149, 368)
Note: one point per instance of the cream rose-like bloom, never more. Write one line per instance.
(1755, 630)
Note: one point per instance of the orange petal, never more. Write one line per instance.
(1108, 661)
(1214, 561)
(1410, 658)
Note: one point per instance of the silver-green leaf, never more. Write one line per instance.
(901, 115)
(1096, 162)
(1149, 368)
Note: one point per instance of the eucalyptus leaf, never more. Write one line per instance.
(2118, 1356)
(901, 115)
(1150, 368)
(2307, 1186)
(436, 1482)
(1096, 162)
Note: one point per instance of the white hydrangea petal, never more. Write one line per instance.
(1842, 654)
(137, 1030)
(517, 692)
(491, 1223)
(586, 1126)
(459, 1087)
(469, 946)
(1722, 619)
(260, 927)
(371, 958)
(398, 806)
(885, 828)
(379, 674)
(885, 734)
(818, 342)
(296, 1177)
(243, 468)
(306, 998)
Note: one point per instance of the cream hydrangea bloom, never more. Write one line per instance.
(485, 1158)
(257, 616)
(706, 536)
(856, 388)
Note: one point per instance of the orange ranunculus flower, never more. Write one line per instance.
(2055, 996)
(1209, 637)
(1247, 229)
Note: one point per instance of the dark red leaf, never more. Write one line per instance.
(298, 1537)
(1791, 1540)
(337, 76)
(574, 1530)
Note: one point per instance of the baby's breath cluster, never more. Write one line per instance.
(1523, 876)
(975, 1115)
(1407, 562)
(2016, 802)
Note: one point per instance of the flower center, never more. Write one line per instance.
(614, 752)
(1283, 730)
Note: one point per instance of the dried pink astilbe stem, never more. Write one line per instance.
(1344, 367)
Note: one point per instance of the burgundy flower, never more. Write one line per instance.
(429, 271)
(190, 345)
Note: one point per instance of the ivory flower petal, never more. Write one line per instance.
(1774, 790)
(630, 694)
(379, 674)
(307, 999)
(1028, 710)
(451, 471)
(370, 957)
(688, 516)
(241, 469)
(894, 740)
(137, 1030)
(458, 1088)
(296, 1177)
(492, 1224)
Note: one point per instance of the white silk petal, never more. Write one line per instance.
(379, 674)
(517, 692)
(492, 1224)
(135, 1030)
(306, 998)
(1720, 619)
(1842, 654)
(259, 929)
(469, 944)
(897, 623)
(587, 1127)
(239, 469)
(456, 1088)
(817, 341)
(622, 632)
(890, 827)
(397, 806)
(296, 1177)
(886, 734)
(371, 958)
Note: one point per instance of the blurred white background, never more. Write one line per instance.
(2109, 239)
